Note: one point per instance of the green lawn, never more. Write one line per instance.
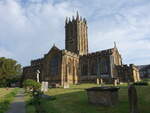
(5, 91)
(74, 100)
(6, 96)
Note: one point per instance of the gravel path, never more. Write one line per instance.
(18, 105)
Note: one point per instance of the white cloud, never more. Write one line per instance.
(5, 53)
(30, 31)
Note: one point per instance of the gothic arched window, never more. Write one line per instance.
(103, 66)
(94, 68)
(84, 69)
(54, 65)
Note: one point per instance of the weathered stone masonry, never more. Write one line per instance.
(75, 64)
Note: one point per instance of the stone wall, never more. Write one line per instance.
(128, 73)
(70, 67)
(76, 35)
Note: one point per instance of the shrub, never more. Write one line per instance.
(31, 85)
(34, 88)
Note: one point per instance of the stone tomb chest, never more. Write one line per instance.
(106, 96)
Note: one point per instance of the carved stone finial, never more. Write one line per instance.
(80, 18)
(77, 16)
(73, 18)
(69, 20)
(84, 20)
(66, 21)
(115, 45)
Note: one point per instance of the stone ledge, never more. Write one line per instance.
(104, 88)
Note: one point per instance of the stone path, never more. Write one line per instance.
(18, 105)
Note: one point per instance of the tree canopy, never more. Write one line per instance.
(10, 71)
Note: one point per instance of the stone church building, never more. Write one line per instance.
(75, 64)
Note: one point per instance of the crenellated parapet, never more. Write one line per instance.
(37, 62)
(106, 52)
(76, 35)
(77, 19)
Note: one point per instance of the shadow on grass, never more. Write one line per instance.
(77, 102)
(4, 106)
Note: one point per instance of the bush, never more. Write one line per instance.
(34, 88)
(141, 83)
(31, 85)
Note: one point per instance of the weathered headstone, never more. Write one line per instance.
(115, 81)
(38, 75)
(133, 99)
(105, 96)
(97, 81)
(101, 81)
(66, 85)
(44, 86)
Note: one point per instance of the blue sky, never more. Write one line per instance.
(29, 28)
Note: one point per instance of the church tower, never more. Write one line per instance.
(76, 39)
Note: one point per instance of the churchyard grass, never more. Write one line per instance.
(74, 100)
(6, 96)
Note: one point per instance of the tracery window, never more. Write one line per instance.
(94, 68)
(84, 69)
(54, 65)
(103, 66)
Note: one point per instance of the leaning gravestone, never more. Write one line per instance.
(133, 99)
(44, 86)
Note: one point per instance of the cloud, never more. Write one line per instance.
(5, 53)
(28, 28)
(30, 31)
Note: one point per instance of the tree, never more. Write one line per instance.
(10, 71)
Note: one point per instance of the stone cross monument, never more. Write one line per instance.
(38, 75)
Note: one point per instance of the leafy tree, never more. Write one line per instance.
(10, 71)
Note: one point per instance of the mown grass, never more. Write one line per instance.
(6, 96)
(74, 100)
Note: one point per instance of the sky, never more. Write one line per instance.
(29, 28)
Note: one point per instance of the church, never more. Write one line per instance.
(75, 64)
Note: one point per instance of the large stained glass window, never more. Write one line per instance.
(103, 66)
(54, 65)
(94, 68)
(84, 69)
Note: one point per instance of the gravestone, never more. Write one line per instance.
(97, 81)
(44, 86)
(103, 96)
(115, 82)
(38, 75)
(55, 85)
(66, 85)
(101, 81)
(133, 99)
